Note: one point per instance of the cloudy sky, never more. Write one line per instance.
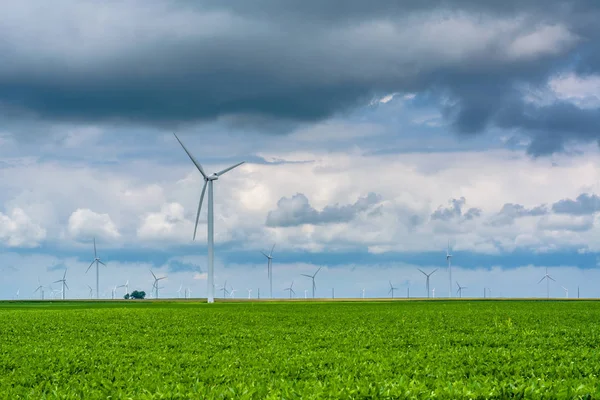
(373, 134)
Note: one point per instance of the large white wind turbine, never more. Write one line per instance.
(208, 181)
(566, 292)
(270, 268)
(427, 279)
(232, 293)
(155, 285)
(392, 288)
(547, 278)
(291, 289)
(97, 261)
(460, 289)
(448, 257)
(249, 293)
(64, 284)
(314, 286)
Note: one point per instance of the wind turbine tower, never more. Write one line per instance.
(314, 286)
(208, 181)
(249, 293)
(547, 278)
(427, 276)
(97, 261)
(270, 268)
(460, 289)
(448, 260)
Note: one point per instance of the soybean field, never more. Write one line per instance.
(291, 350)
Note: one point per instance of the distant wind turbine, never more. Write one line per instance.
(249, 293)
(314, 286)
(224, 289)
(363, 293)
(91, 291)
(155, 285)
(460, 289)
(208, 181)
(433, 293)
(392, 288)
(64, 283)
(40, 288)
(547, 278)
(305, 290)
(291, 289)
(270, 268)
(427, 279)
(232, 293)
(97, 261)
(448, 257)
(566, 292)
(179, 291)
(18, 290)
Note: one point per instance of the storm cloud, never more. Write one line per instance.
(455, 211)
(584, 204)
(159, 62)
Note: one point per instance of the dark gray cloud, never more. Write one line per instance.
(512, 211)
(297, 210)
(455, 211)
(584, 204)
(163, 63)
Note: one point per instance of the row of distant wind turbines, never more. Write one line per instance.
(208, 182)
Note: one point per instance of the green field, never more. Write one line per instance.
(336, 350)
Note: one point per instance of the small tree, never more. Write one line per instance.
(126, 297)
(138, 295)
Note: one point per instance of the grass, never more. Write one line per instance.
(275, 350)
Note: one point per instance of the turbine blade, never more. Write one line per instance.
(308, 276)
(101, 263)
(88, 268)
(551, 278)
(264, 254)
(196, 163)
(65, 274)
(272, 248)
(153, 274)
(540, 281)
(317, 272)
(199, 208)
(422, 271)
(95, 254)
(229, 169)
(67, 286)
(433, 271)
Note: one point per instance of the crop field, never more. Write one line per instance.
(309, 350)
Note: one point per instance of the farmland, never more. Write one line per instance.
(409, 349)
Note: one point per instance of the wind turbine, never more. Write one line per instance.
(179, 291)
(64, 284)
(224, 289)
(270, 268)
(427, 279)
(547, 278)
(114, 289)
(91, 291)
(460, 289)
(97, 261)
(291, 289)
(208, 181)
(126, 286)
(155, 285)
(566, 292)
(448, 257)
(305, 290)
(232, 293)
(363, 293)
(314, 286)
(392, 288)
(249, 293)
(433, 293)
(18, 290)
(40, 288)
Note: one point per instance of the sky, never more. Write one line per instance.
(373, 135)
